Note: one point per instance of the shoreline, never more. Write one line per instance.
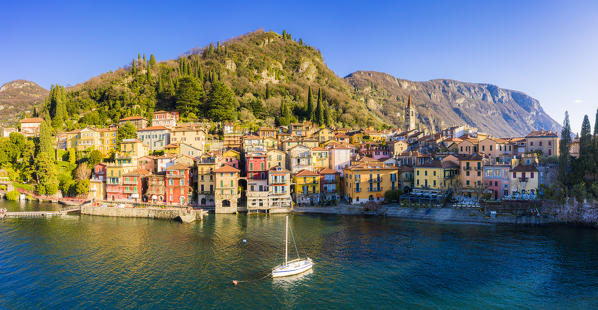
(437, 215)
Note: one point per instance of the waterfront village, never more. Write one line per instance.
(227, 168)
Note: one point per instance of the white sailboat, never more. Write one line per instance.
(292, 267)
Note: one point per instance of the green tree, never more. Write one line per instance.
(126, 131)
(311, 113)
(72, 156)
(152, 60)
(82, 187)
(133, 67)
(47, 181)
(45, 139)
(327, 116)
(221, 103)
(189, 96)
(320, 109)
(95, 157)
(148, 73)
(564, 156)
(585, 162)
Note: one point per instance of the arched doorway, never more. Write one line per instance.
(225, 203)
(371, 197)
(203, 201)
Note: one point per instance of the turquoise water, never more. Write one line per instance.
(360, 263)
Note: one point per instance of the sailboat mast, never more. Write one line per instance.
(286, 242)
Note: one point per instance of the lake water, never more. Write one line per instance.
(360, 263)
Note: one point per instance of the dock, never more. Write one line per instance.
(30, 214)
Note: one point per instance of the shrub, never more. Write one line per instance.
(12, 195)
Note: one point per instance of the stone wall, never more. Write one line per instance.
(150, 212)
(473, 215)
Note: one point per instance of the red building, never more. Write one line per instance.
(156, 189)
(133, 184)
(177, 187)
(256, 167)
(99, 172)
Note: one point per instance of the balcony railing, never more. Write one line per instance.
(376, 189)
(523, 179)
(375, 181)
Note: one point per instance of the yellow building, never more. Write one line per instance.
(319, 158)
(102, 139)
(369, 181)
(307, 187)
(133, 149)
(226, 189)
(523, 180)
(206, 164)
(436, 176)
(324, 134)
(276, 158)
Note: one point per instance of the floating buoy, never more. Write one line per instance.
(235, 282)
(244, 241)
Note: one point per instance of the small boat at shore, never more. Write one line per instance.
(292, 267)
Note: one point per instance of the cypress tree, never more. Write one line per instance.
(310, 105)
(327, 116)
(138, 57)
(595, 139)
(585, 162)
(564, 157)
(143, 58)
(152, 60)
(134, 68)
(267, 91)
(320, 109)
(149, 73)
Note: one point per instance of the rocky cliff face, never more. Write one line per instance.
(17, 97)
(445, 103)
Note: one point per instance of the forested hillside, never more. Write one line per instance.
(260, 75)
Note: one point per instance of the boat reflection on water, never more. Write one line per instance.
(294, 280)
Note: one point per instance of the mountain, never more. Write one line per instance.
(17, 97)
(269, 75)
(265, 77)
(444, 103)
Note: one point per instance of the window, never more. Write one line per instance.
(514, 174)
(532, 175)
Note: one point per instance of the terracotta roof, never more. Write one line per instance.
(317, 148)
(440, 164)
(306, 173)
(178, 166)
(130, 118)
(541, 133)
(327, 171)
(525, 168)
(171, 146)
(278, 169)
(227, 168)
(32, 120)
(153, 128)
(137, 172)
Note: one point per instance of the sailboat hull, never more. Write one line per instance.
(293, 267)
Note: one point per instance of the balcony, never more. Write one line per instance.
(325, 181)
(523, 179)
(375, 181)
(376, 189)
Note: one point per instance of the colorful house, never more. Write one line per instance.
(497, 180)
(137, 121)
(231, 158)
(436, 176)
(470, 175)
(319, 158)
(256, 166)
(276, 158)
(546, 142)
(167, 119)
(279, 184)
(156, 188)
(177, 185)
(30, 126)
(299, 158)
(226, 189)
(155, 137)
(330, 184)
(369, 181)
(191, 134)
(206, 164)
(307, 187)
(524, 180)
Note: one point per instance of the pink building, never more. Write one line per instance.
(256, 166)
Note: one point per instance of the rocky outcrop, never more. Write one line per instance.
(444, 103)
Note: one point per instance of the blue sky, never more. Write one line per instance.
(548, 49)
